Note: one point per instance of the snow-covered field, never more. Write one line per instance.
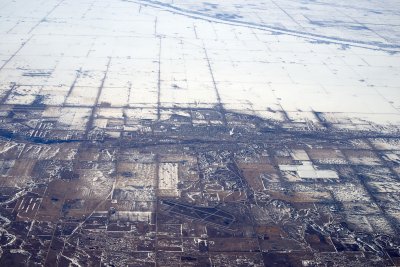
(337, 58)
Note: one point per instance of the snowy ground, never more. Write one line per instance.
(256, 57)
(123, 139)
